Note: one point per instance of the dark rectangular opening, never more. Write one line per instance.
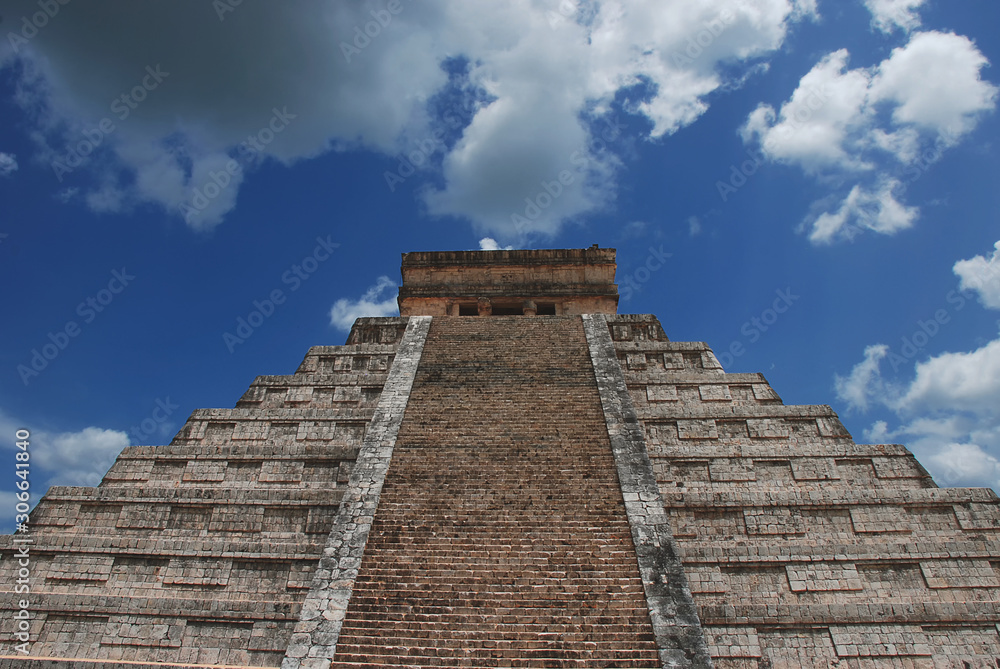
(546, 309)
(468, 310)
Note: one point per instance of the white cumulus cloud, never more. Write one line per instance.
(378, 300)
(861, 210)
(965, 464)
(887, 15)
(69, 458)
(815, 127)
(934, 82)
(81, 458)
(490, 244)
(963, 381)
(983, 276)
(835, 126)
(949, 412)
(530, 85)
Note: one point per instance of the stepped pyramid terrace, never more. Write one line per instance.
(511, 474)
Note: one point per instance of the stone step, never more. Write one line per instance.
(852, 613)
(501, 537)
(696, 501)
(878, 548)
(499, 636)
(405, 662)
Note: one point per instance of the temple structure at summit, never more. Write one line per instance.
(509, 474)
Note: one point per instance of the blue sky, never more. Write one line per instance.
(809, 186)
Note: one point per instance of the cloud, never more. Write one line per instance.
(635, 230)
(861, 210)
(8, 164)
(878, 433)
(490, 244)
(965, 382)
(531, 86)
(965, 464)
(70, 458)
(344, 311)
(983, 276)
(866, 128)
(694, 226)
(887, 15)
(80, 458)
(934, 82)
(814, 126)
(949, 411)
(865, 380)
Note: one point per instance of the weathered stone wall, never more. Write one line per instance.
(574, 281)
(803, 548)
(202, 551)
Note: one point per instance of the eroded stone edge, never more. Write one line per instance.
(314, 639)
(672, 611)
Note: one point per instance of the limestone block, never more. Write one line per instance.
(636, 360)
(346, 394)
(251, 429)
(204, 471)
(732, 469)
(299, 395)
(878, 519)
(978, 516)
(706, 579)
(697, 429)
(830, 426)
(197, 571)
(143, 516)
(814, 469)
(968, 573)
(768, 428)
(281, 471)
(661, 393)
(315, 430)
(724, 642)
(823, 577)
(716, 392)
(673, 360)
(621, 332)
(213, 432)
(773, 521)
(879, 641)
(764, 393)
(80, 568)
(710, 362)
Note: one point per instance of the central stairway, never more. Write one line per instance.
(501, 538)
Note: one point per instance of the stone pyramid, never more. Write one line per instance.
(510, 474)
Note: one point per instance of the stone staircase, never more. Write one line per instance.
(501, 538)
